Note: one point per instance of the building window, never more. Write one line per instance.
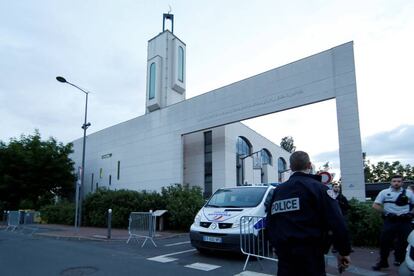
(100, 173)
(266, 157)
(281, 168)
(208, 164)
(180, 64)
(110, 180)
(118, 172)
(152, 77)
(243, 149)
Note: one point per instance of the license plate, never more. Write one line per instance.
(212, 239)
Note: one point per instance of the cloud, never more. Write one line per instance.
(396, 144)
(393, 145)
(327, 156)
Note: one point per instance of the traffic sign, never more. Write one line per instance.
(326, 177)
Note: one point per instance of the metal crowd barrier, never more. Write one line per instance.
(13, 220)
(253, 241)
(23, 220)
(142, 224)
(30, 218)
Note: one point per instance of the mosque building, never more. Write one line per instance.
(156, 150)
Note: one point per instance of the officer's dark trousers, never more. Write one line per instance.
(394, 229)
(297, 260)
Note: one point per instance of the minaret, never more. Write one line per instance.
(165, 69)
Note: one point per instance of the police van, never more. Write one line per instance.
(217, 225)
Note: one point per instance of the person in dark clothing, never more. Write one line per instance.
(342, 200)
(343, 205)
(301, 213)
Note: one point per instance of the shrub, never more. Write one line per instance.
(182, 203)
(60, 213)
(364, 224)
(122, 203)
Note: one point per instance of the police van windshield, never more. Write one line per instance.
(235, 198)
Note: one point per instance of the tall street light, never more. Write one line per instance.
(79, 190)
(242, 163)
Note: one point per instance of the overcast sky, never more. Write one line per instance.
(102, 47)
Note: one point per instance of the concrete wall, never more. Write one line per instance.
(224, 157)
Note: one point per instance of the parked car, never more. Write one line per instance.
(217, 225)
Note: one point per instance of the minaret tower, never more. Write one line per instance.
(165, 68)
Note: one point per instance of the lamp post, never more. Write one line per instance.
(79, 190)
(242, 163)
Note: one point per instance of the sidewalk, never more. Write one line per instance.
(91, 233)
(362, 259)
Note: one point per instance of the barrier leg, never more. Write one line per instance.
(245, 263)
(153, 243)
(144, 242)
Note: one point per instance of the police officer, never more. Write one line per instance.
(394, 203)
(301, 213)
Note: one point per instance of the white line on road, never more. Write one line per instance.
(162, 259)
(177, 243)
(202, 266)
(165, 259)
(251, 273)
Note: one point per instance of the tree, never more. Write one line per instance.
(383, 171)
(33, 172)
(287, 144)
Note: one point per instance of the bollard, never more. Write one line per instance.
(109, 223)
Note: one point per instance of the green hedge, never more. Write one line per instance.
(122, 203)
(364, 223)
(61, 213)
(181, 202)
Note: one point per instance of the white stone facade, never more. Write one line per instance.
(142, 167)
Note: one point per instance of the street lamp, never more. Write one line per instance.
(79, 190)
(242, 163)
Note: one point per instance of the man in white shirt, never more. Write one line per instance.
(395, 204)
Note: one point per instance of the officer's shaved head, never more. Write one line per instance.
(299, 161)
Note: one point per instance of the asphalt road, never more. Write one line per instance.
(26, 255)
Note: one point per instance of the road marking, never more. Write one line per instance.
(162, 259)
(252, 273)
(202, 266)
(165, 259)
(177, 243)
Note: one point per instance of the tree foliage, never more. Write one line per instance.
(33, 172)
(383, 171)
(287, 144)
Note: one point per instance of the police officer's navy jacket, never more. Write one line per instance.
(302, 212)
